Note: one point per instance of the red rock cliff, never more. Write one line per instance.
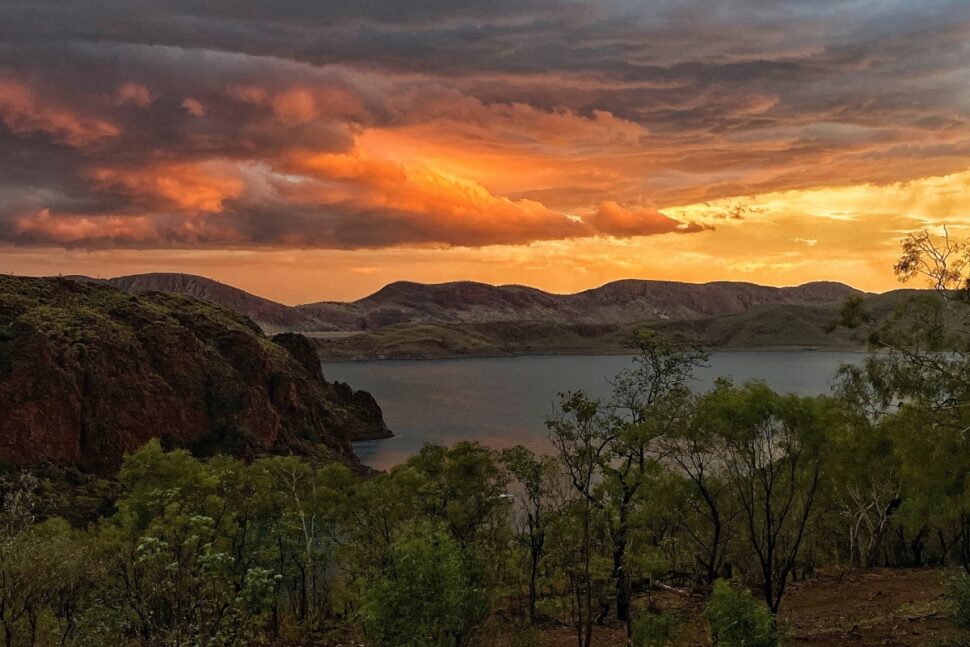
(88, 372)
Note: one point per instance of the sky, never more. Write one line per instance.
(307, 150)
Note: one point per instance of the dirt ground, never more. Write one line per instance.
(877, 607)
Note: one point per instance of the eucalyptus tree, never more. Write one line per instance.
(537, 478)
(576, 430)
(918, 388)
(693, 449)
(771, 448)
(648, 402)
(429, 593)
(611, 448)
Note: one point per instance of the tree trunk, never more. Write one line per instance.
(622, 580)
(533, 577)
(588, 577)
(713, 565)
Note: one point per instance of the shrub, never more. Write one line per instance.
(736, 619)
(958, 593)
(428, 595)
(655, 629)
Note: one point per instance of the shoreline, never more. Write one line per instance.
(329, 359)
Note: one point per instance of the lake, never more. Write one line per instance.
(505, 401)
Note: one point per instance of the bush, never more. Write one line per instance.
(655, 629)
(429, 594)
(958, 594)
(736, 619)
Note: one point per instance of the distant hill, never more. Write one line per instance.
(618, 302)
(626, 301)
(465, 318)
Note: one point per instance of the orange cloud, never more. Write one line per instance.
(431, 204)
(23, 111)
(69, 229)
(247, 93)
(194, 107)
(300, 105)
(133, 93)
(616, 220)
(295, 106)
(188, 188)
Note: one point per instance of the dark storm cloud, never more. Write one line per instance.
(140, 123)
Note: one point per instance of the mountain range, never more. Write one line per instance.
(464, 318)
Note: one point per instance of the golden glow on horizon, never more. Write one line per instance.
(848, 234)
(321, 152)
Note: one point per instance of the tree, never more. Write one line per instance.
(614, 445)
(922, 394)
(771, 450)
(648, 402)
(304, 507)
(576, 432)
(429, 593)
(171, 547)
(865, 483)
(537, 478)
(464, 488)
(693, 449)
(577, 577)
(18, 588)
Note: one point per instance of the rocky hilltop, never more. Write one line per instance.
(268, 313)
(89, 372)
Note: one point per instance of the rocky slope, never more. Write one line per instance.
(88, 372)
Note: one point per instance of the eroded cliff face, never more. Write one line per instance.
(88, 372)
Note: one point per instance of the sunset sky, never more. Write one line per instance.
(307, 150)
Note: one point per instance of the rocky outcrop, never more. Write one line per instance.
(88, 372)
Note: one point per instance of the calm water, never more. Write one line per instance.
(505, 401)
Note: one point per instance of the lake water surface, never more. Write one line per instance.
(505, 401)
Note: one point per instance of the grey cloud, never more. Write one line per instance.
(733, 97)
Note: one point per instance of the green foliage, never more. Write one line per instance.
(772, 448)
(655, 629)
(736, 619)
(462, 486)
(429, 594)
(958, 595)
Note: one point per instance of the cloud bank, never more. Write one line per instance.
(378, 123)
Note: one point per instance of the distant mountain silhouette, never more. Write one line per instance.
(403, 302)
